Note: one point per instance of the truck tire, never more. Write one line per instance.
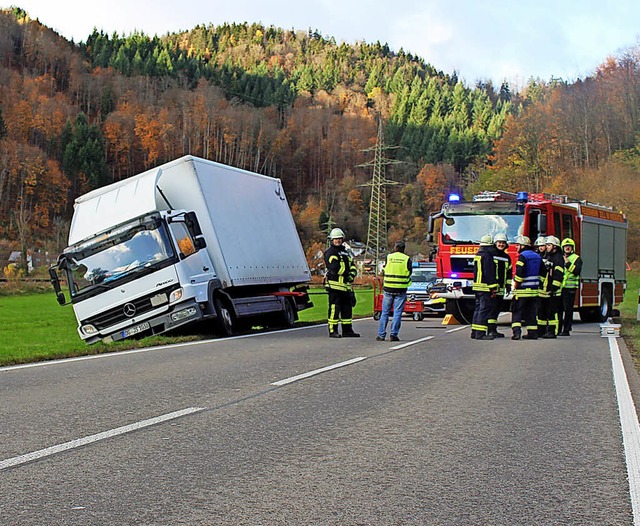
(418, 316)
(288, 316)
(600, 313)
(224, 319)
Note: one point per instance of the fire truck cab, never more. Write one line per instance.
(600, 235)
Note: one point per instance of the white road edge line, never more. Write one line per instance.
(630, 427)
(34, 455)
(302, 376)
(116, 354)
(412, 342)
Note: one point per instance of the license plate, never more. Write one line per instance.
(136, 329)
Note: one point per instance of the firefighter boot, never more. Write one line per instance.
(517, 333)
(334, 334)
(347, 332)
(493, 330)
(473, 334)
(531, 335)
(484, 336)
(550, 334)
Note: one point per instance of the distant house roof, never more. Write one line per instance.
(15, 256)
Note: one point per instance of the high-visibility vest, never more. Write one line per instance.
(571, 280)
(396, 272)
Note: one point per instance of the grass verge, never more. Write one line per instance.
(33, 327)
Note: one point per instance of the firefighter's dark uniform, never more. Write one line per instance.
(529, 273)
(502, 262)
(551, 303)
(341, 272)
(572, 270)
(485, 285)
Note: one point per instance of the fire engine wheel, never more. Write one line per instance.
(418, 316)
(376, 315)
(224, 320)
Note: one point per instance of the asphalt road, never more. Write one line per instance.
(436, 429)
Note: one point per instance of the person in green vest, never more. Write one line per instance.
(397, 272)
(570, 284)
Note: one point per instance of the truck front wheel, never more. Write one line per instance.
(224, 319)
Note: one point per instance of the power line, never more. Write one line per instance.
(377, 231)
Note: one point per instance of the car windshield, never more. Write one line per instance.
(470, 228)
(423, 275)
(113, 258)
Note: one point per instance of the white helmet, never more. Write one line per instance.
(553, 240)
(486, 240)
(523, 240)
(541, 241)
(500, 237)
(336, 233)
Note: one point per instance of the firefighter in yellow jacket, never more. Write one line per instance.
(341, 272)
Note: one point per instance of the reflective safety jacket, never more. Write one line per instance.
(530, 270)
(555, 277)
(572, 270)
(341, 271)
(484, 271)
(503, 268)
(397, 272)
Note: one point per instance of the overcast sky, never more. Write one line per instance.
(496, 40)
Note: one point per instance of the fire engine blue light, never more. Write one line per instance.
(454, 275)
(523, 196)
(454, 198)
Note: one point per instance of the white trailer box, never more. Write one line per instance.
(242, 258)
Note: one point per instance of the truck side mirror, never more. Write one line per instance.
(429, 225)
(542, 223)
(199, 242)
(55, 281)
(191, 220)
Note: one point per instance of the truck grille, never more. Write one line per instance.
(128, 310)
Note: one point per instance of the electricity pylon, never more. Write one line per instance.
(377, 231)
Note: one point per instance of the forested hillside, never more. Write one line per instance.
(298, 106)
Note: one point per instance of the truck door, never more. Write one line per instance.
(193, 261)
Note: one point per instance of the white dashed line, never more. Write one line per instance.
(292, 379)
(35, 455)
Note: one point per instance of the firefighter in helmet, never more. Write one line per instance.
(526, 283)
(551, 303)
(502, 262)
(341, 272)
(485, 285)
(570, 284)
(541, 246)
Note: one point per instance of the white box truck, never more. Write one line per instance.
(188, 241)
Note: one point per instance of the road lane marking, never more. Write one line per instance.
(458, 329)
(302, 376)
(630, 427)
(412, 342)
(53, 450)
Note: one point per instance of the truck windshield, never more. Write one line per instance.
(119, 255)
(469, 228)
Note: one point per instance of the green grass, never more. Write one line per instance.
(33, 327)
(630, 328)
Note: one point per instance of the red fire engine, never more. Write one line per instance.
(599, 232)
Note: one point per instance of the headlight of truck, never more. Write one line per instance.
(88, 329)
(175, 296)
